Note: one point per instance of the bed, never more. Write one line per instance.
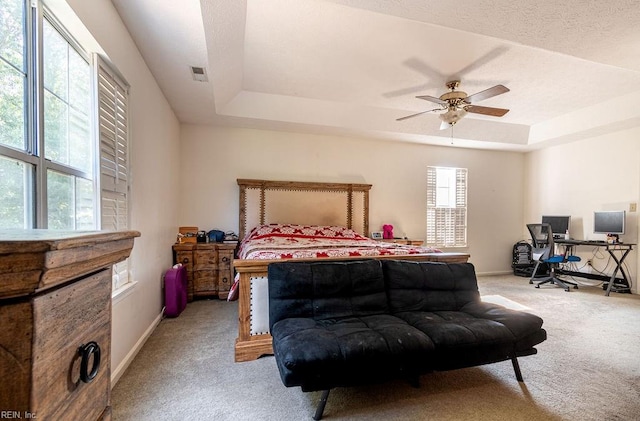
(303, 221)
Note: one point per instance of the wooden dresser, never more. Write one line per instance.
(209, 268)
(55, 308)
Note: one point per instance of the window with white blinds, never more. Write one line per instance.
(113, 124)
(446, 207)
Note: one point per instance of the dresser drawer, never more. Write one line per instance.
(205, 260)
(225, 276)
(224, 284)
(64, 320)
(225, 259)
(186, 258)
(205, 282)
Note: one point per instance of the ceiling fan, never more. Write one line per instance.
(456, 104)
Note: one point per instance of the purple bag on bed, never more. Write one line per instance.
(175, 291)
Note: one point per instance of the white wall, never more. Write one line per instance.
(213, 158)
(154, 136)
(601, 173)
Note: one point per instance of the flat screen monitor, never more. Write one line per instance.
(559, 224)
(608, 222)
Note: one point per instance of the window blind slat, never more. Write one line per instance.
(114, 158)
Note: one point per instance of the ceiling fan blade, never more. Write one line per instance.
(434, 99)
(421, 67)
(406, 91)
(476, 64)
(416, 114)
(425, 70)
(495, 112)
(410, 116)
(487, 93)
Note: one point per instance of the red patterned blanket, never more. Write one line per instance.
(290, 241)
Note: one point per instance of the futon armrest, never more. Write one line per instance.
(520, 323)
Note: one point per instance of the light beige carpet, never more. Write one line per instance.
(588, 369)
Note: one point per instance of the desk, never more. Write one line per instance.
(614, 283)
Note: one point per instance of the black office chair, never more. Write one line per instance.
(543, 251)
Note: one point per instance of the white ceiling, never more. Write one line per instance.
(352, 67)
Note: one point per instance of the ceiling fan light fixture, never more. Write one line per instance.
(452, 116)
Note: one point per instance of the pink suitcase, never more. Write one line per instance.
(175, 291)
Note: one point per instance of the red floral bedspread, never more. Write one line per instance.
(289, 241)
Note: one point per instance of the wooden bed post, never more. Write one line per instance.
(249, 347)
(242, 223)
(366, 213)
(350, 208)
(262, 204)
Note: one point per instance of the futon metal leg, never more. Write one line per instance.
(516, 368)
(321, 404)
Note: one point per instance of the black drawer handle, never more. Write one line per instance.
(225, 259)
(86, 351)
(185, 260)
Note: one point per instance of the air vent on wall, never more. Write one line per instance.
(199, 74)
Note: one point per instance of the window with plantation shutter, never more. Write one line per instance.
(446, 207)
(113, 135)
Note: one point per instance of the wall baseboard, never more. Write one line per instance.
(497, 273)
(122, 367)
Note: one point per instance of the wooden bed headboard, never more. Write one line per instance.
(299, 202)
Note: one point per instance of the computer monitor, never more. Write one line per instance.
(609, 222)
(559, 224)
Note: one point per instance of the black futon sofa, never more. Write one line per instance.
(347, 323)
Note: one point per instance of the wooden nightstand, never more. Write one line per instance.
(209, 268)
(406, 241)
